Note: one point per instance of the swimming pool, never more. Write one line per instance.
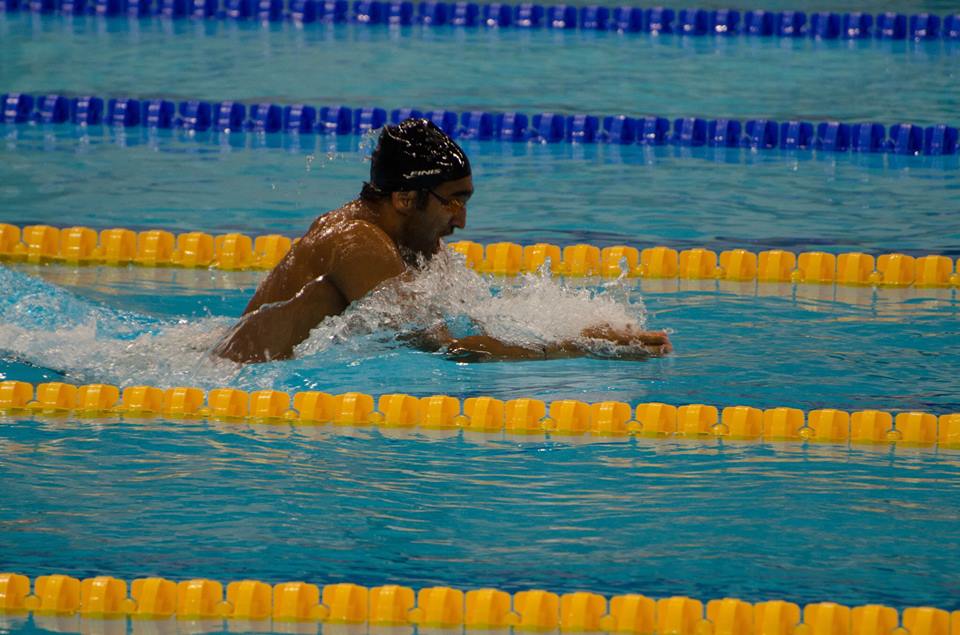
(702, 517)
(572, 72)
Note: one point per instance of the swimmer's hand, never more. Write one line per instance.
(657, 343)
(637, 345)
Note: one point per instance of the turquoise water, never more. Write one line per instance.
(803, 522)
(736, 344)
(764, 345)
(538, 71)
(527, 193)
(709, 520)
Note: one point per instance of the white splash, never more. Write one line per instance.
(175, 355)
(368, 143)
(528, 310)
(50, 327)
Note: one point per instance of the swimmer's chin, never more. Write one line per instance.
(438, 247)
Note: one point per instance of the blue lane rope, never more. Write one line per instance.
(230, 116)
(822, 25)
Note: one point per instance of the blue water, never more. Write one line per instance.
(276, 503)
(853, 524)
(527, 193)
(510, 69)
(735, 344)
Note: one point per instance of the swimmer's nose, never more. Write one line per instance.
(459, 220)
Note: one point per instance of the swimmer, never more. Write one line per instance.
(420, 183)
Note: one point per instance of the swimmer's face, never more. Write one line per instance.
(445, 211)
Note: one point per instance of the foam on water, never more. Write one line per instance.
(47, 326)
(536, 310)
(89, 342)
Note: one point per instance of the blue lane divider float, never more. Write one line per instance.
(822, 25)
(230, 116)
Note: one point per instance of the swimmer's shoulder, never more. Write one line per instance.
(342, 242)
(343, 229)
(365, 234)
(357, 255)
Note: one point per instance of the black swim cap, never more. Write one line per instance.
(416, 155)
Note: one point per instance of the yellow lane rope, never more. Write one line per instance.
(159, 248)
(564, 417)
(445, 607)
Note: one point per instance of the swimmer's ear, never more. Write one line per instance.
(404, 201)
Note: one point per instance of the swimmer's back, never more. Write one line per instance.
(352, 253)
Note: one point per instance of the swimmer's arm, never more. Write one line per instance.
(430, 339)
(272, 330)
(643, 344)
(366, 258)
(288, 277)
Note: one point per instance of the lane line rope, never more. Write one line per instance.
(301, 119)
(624, 19)
(564, 417)
(234, 251)
(155, 598)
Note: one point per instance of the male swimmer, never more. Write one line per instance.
(420, 182)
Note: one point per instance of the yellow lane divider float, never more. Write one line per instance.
(158, 248)
(393, 605)
(152, 248)
(483, 414)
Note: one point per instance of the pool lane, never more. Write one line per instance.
(736, 344)
(540, 71)
(526, 193)
(757, 522)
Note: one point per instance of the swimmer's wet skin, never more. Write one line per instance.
(420, 183)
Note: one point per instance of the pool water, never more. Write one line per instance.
(804, 522)
(601, 194)
(735, 344)
(600, 73)
(226, 501)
